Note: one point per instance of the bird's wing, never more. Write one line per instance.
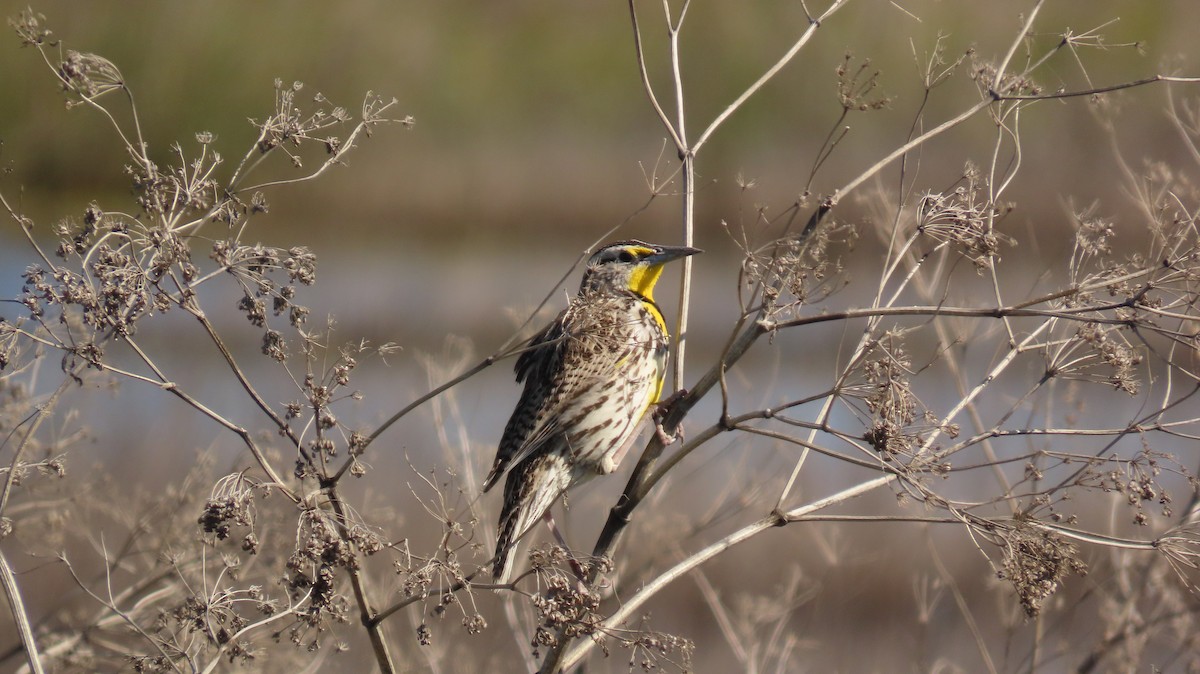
(540, 364)
(573, 356)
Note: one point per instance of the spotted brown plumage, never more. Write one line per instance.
(590, 376)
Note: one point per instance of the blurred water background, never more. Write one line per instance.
(533, 137)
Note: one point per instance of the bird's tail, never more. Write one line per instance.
(531, 488)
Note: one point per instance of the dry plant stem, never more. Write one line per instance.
(451, 589)
(864, 340)
(504, 352)
(1133, 427)
(358, 581)
(195, 310)
(960, 118)
(240, 375)
(215, 662)
(242, 433)
(685, 279)
(479, 367)
(104, 617)
(775, 519)
(13, 592)
(713, 598)
(963, 607)
(1180, 128)
(635, 491)
(956, 369)
(111, 604)
(1101, 90)
(641, 61)
(44, 410)
(738, 424)
(688, 158)
(933, 311)
(903, 150)
(687, 153)
(1133, 632)
(518, 630)
(827, 405)
(26, 226)
(990, 377)
(336, 159)
(1039, 629)
(767, 76)
(806, 447)
(1012, 48)
(898, 153)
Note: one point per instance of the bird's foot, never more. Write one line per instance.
(660, 413)
(667, 403)
(668, 439)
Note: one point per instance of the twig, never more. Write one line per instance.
(358, 581)
(244, 434)
(17, 607)
(581, 648)
(963, 608)
(43, 411)
(770, 74)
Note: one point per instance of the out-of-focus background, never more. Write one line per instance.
(532, 126)
(532, 138)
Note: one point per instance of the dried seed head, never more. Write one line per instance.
(1035, 562)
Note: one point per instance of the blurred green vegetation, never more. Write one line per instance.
(532, 130)
(530, 116)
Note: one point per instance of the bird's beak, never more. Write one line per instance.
(667, 253)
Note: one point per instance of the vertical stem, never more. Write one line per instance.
(358, 581)
(9, 583)
(685, 281)
(688, 159)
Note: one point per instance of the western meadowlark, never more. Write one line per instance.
(590, 376)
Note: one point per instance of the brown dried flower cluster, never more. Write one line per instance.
(966, 219)
(793, 272)
(1035, 562)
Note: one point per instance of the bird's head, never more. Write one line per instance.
(630, 265)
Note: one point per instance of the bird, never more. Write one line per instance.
(589, 378)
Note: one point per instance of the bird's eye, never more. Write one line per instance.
(625, 256)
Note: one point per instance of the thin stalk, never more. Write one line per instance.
(9, 582)
(775, 519)
(358, 582)
(685, 281)
(44, 410)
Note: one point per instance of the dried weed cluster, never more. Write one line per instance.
(209, 588)
(1046, 417)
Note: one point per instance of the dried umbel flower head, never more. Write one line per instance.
(1011, 84)
(29, 28)
(230, 504)
(1035, 562)
(965, 219)
(1093, 234)
(1098, 353)
(855, 86)
(899, 420)
(89, 75)
(797, 270)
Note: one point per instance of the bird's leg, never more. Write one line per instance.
(610, 463)
(661, 409)
(575, 566)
